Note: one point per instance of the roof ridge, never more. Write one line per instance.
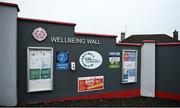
(46, 21)
(94, 34)
(147, 34)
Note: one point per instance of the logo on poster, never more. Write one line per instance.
(39, 34)
(90, 59)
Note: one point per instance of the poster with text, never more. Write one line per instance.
(114, 60)
(129, 69)
(40, 69)
(90, 83)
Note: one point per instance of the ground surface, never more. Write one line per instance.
(128, 102)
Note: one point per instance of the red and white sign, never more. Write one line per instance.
(90, 83)
(39, 34)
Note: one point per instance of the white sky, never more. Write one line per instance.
(108, 16)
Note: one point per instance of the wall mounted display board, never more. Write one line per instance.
(39, 69)
(90, 83)
(129, 66)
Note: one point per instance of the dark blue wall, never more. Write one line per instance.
(65, 83)
(168, 69)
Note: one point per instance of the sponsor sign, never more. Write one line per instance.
(90, 60)
(114, 59)
(62, 66)
(39, 34)
(90, 83)
(129, 69)
(62, 61)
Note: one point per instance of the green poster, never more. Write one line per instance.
(114, 60)
(114, 64)
(34, 74)
(46, 73)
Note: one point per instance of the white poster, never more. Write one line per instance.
(40, 68)
(129, 69)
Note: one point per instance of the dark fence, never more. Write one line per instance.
(168, 70)
(65, 83)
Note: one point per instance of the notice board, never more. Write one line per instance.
(129, 66)
(39, 69)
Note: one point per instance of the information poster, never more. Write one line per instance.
(90, 83)
(40, 68)
(62, 59)
(114, 60)
(129, 69)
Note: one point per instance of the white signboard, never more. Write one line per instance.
(39, 69)
(90, 59)
(129, 69)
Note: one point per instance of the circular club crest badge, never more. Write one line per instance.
(39, 34)
(90, 59)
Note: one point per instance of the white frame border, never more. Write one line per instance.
(39, 48)
(124, 50)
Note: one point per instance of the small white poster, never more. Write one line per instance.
(129, 65)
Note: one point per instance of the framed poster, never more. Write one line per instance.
(129, 66)
(114, 60)
(39, 69)
(90, 83)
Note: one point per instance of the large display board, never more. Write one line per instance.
(129, 66)
(39, 69)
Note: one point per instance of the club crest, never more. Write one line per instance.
(39, 34)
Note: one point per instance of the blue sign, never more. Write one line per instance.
(62, 66)
(131, 72)
(132, 56)
(62, 57)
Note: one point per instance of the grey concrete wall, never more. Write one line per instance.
(148, 70)
(8, 68)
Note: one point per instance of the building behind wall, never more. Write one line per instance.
(160, 38)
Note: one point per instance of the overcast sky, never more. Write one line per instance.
(108, 16)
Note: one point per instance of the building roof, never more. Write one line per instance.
(159, 38)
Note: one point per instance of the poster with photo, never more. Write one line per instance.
(129, 69)
(114, 60)
(90, 83)
(39, 68)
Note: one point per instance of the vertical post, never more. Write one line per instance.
(148, 68)
(8, 54)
